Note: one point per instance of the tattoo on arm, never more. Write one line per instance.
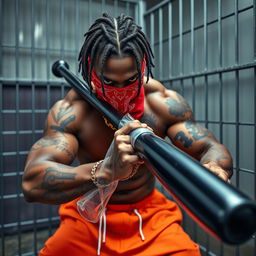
(179, 108)
(214, 153)
(62, 112)
(217, 154)
(62, 125)
(63, 147)
(47, 142)
(53, 178)
(197, 132)
(58, 143)
(181, 136)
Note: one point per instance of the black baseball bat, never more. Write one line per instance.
(221, 209)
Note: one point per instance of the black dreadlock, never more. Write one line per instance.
(114, 37)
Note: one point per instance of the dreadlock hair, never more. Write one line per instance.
(110, 36)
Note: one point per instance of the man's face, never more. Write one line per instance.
(119, 72)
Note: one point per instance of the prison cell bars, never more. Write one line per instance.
(254, 38)
(237, 102)
(151, 13)
(48, 83)
(220, 85)
(1, 138)
(48, 89)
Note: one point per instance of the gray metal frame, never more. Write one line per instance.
(28, 90)
(192, 74)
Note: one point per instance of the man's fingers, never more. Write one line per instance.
(130, 127)
(223, 176)
(123, 139)
(218, 171)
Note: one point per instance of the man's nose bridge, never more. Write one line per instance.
(119, 83)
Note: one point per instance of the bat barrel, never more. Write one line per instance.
(220, 208)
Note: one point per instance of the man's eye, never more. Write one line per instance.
(107, 81)
(133, 79)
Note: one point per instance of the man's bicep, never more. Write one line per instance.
(190, 137)
(59, 149)
(58, 143)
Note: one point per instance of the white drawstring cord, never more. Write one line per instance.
(140, 224)
(103, 239)
(103, 216)
(104, 226)
(99, 238)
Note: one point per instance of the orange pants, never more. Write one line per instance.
(148, 228)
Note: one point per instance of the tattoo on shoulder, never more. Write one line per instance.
(62, 119)
(178, 108)
(62, 112)
(149, 119)
(197, 131)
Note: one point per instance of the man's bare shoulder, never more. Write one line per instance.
(67, 114)
(166, 103)
(75, 100)
(155, 87)
(73, 97)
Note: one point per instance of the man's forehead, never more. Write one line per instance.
(118, 64)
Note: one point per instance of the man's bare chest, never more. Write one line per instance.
(95, 135)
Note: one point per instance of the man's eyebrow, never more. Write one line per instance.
(125, 80)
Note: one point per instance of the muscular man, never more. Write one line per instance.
(138, 220)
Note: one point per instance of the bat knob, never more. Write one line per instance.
(56, 67)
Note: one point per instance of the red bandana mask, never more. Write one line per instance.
(126, 99)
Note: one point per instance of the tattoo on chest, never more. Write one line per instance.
(66, 120)
(197, 131)
(178, 108)
(150, 120)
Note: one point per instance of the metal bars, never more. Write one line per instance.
(214, 64)
(2, 248)
(160, 29)
(27, 91)
(254, 39)
(184, 73)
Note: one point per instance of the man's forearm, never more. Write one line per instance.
(54, 183)
(218, 154)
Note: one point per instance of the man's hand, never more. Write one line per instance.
(221, 173)
(123, 158)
